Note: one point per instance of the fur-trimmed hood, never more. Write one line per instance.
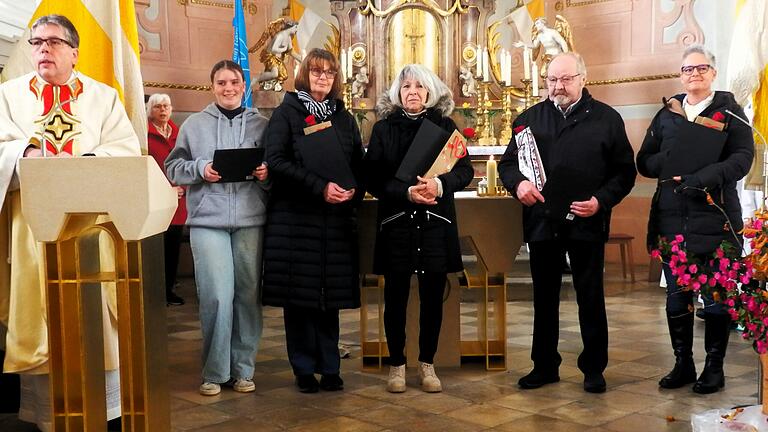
(385, 106)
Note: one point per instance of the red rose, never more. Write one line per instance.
(519, 129)
(469, 132)
(311, 120)
(718, 116)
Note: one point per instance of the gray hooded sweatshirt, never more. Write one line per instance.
(218, 205)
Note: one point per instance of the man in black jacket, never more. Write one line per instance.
(589, 168)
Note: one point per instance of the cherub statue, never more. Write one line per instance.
(277, 44)
(552, 41)
(468, 84)
(360, 83)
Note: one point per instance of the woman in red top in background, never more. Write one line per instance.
(161, 139)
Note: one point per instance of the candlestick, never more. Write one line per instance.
(526, 63)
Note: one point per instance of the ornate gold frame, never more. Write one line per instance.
(431, 5)
(250, 6)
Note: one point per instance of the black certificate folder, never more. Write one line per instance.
(425, 147)
(321, 153)
(697, 146)
(236, 165)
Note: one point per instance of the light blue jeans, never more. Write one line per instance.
(227, 275)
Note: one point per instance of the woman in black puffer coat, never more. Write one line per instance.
(417, 233)
(310, 246)
(680, 206)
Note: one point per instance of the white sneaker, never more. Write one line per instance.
(396, 380)
(243, 385)
(209, 389)
(430, 383)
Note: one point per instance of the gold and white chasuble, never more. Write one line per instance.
(83, 116)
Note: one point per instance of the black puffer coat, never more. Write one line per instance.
(310, 246)
(412, 237)
(674, 213)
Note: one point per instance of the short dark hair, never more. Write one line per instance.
(70, 32)
(227, 64)
(315, 59)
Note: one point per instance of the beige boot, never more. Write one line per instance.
(396, 380)
(430, 383)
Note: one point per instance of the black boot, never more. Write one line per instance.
(717, 330)
(681, 334)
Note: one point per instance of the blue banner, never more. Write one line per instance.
(240, 50)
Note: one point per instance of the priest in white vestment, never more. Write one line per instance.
(52, 112)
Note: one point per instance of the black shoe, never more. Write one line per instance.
(716, 332)
(171, 299)
(331, 382)
(536, 379)
(307, 383)
(683, 373)
(116, 424)
(594, 383)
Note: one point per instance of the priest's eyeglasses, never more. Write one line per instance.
(565, 80)
(330, 74)
(701, 69)
(53, 42)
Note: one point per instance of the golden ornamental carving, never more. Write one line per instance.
(250, 6)
(575, 3)
(633, 79)
(368, 7)
(176, 86)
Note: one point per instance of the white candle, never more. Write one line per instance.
(526, 63)
(344, 63)
(490, 172)
(535, 80)
(350, 62)
(486, 61)
(509, 68)
(479, 63)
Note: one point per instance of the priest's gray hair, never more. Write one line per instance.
(436, 88)
(70, 32)
(700, 49)
(157, 99)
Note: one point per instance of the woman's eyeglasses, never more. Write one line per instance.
(317, 72)
(701, 69)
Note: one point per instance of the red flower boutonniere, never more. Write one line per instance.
(468, 133)
(310, 120)
(519, 129)
(718, 116)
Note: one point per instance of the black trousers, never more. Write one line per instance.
(397, 287)
(587, 262)
(172, 244)
(312, 340)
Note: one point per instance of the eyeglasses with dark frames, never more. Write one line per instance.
(317, 72)
(53, 42)
(701, 69)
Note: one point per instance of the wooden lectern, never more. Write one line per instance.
(129, 201)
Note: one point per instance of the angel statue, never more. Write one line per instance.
(360, 83)
(552, 41)
(276, 43)
(468, 84)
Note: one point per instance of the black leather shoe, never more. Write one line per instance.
(331, 382)
(536, 379)
(594, 383)
(171, 299)
(307, 383)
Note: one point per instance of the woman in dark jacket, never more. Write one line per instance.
(680, 207)
(417, 231)
(310, 250)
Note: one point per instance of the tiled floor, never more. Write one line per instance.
(473, 399)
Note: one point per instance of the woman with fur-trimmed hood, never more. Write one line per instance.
(417, 233)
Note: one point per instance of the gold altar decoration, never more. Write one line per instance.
(414, 37)
(484, 125)
(370, 8)
(252, 9)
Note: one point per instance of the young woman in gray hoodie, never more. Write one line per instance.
(226, 223)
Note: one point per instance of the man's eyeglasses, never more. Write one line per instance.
(701, 69)
(53, 42)
(566, 80)
(330, 74)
